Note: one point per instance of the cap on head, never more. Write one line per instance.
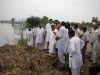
(52, 25)
(93, 23)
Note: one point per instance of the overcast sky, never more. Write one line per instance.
(63, 10)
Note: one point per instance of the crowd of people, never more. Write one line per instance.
(69, 41)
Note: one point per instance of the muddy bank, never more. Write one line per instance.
(26, 60)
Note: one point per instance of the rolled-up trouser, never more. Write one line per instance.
(75, 71)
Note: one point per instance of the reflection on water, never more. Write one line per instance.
(7, 35)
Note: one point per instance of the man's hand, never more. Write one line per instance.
(56, 38)
(54, 33)
(81, 51)
(48, 42)
(34, 38)
(91, 43)
(64, 54)
(86, 42)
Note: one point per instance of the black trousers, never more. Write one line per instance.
(93, 70)
(68, 68)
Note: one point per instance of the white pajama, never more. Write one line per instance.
(39, 32)
(38, 45)
(30, 38)
(46, 45)
(75, 71)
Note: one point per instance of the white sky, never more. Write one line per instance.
(63, 10)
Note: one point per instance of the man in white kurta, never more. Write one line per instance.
(30, 38)
(75, 56)
(77, 31)
(47, 29)
(85, 38)
(95, 43)
(61, 42)
(91, 41)
(39, 36)
(52, 42)
(66, 35)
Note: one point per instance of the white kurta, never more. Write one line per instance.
(78, 33)
(52, 41)
(66, 35)
(61, 44)
(74, 50)
(47, 28)
(39, 35)
(91, 41)
(95, 44)
(85, 37)
(30, 38)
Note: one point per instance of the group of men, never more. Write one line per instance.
(69, 41)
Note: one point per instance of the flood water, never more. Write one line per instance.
(7, 35)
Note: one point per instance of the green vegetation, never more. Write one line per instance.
(87, 24)
(32, 21)
(22, 41)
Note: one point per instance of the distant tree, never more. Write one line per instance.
(90, 23)
(32, 21)
(78, 23)
(19, 30)
(94, 19)
(83, 22)
(44, 20)
(87, 23)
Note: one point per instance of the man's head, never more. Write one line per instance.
(53, 26)
(67, 23)
(56, 21)
(71, 33)
(69, 28)
(62, 23)
(81, 27)
(29, 29)
(50, 21)
(84, 29)
(75, 26)
(95, 26)
(40, 25)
